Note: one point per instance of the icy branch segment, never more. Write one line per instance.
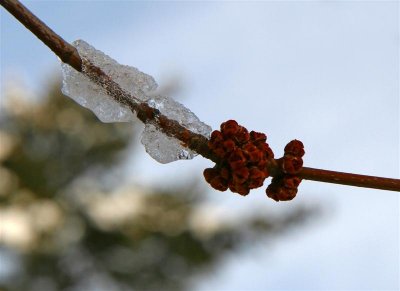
(142, 88)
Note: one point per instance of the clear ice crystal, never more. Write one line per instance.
(92, 96)
(166, 149)
(176, 111)
(142, 88)
(163, 148)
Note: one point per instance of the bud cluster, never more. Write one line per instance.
(284, 187)
(245, 159)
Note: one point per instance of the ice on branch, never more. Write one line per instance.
(92, 96)
(142, 88)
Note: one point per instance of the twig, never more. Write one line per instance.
(198, 143)
(349, 179)
(66, 52)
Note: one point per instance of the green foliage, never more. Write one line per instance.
(66, 233)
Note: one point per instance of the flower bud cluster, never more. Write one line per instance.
(284, 187)
(244, 159)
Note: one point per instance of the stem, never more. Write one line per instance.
(66, 52)
(198, 143)
(350, 179)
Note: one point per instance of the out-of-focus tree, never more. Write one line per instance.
(66, 224)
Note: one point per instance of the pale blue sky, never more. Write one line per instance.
(324, 72)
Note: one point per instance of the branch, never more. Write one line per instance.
(196, 142)
(66, 52)
(350, 179)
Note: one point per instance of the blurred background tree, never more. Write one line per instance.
(66, 223)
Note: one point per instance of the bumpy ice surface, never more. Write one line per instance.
(142, 88)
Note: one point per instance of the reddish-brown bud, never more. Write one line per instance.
(291, 165)
(229, 145)
(295, 148)
(237, 159)
(272, 191)
(225, 173)
(219, 183)
(256, 156)
(242, 190)
(232, 186)
(280, 193)
(256, 178)
(229, 128)
(240, 175)
(249, 147)
(287, 194)
(252, 152)
(216, 136)
(264, 147)
(291, 182)
(220, 152)
(266, 172)
(257, 137)
(238, 188)
(256, 173)
(242, 136)
(210, 173)
(269, 154)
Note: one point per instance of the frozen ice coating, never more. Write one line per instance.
(166, 149)
(142, 88)
(176, 111)
(163, 148)
(92, 96)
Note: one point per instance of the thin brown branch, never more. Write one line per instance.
(350, 179)
(198, 143)
(66, 52)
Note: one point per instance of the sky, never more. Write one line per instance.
(324, 72)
